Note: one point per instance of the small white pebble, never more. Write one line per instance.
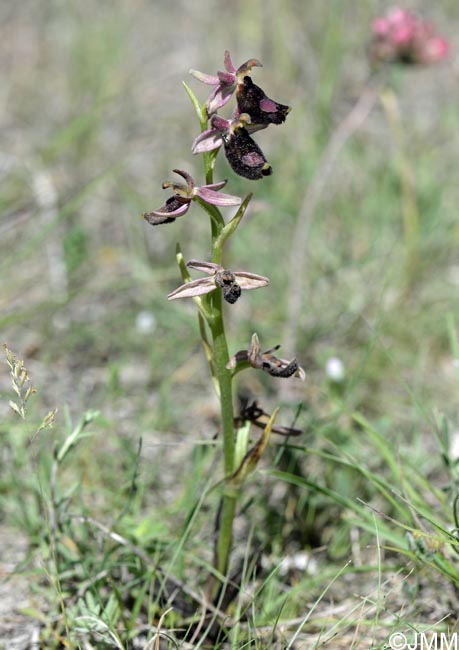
(300, 561)
(145, 322)
(45, 192)
(335, 369)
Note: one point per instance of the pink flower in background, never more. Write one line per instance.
(402, 36)
(436, 49)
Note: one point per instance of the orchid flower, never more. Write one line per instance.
(225, 82)
(266, 361)
(184, 193)
(242, 152)
(251, 99)
(231, 283)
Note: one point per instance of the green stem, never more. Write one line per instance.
(225, 532)
(211, 314)
(224, 378)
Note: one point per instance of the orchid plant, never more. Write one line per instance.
(253, 111)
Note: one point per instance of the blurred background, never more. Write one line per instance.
(93, 118)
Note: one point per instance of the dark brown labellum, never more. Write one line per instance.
(287, 371)
(231, 293)
(245, 156)
(252, 100)
(173, 203)
(277, 369)
(230, 288)
(266, 361)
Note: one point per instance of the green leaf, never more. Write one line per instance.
(197, 106)
(252, 457)
(230, 227)
(242, 443)
(181, 263)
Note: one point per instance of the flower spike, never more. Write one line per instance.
(178, 204)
